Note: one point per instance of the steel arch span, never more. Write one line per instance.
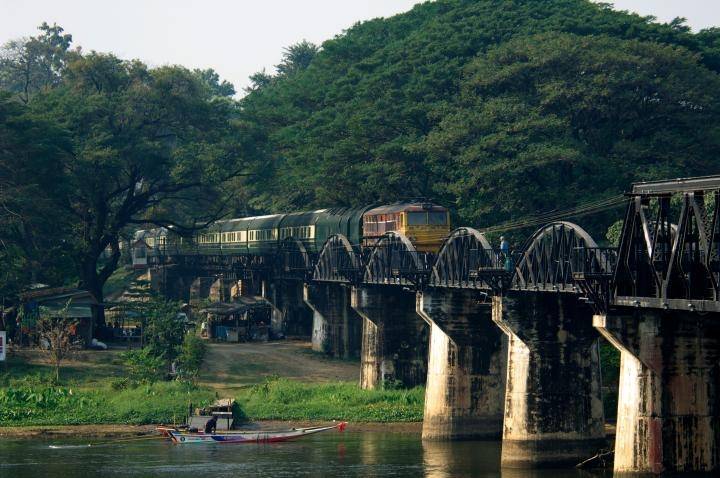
(464, 261)
(338, 261)
(292, 260)
(555, 256)
(395, 261)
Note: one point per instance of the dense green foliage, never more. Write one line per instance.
(142, 366)
(282, 399)
(192, 354)
(497, 108)
(39, 404)
(166, 341)
(110, 144)
(89, 394)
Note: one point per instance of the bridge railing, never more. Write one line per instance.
(478, 268)
(403, 268)
(593, 262)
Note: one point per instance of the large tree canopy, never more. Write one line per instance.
(496, 108)
(31, 239)
(398, 108)
(139, 145)
(559, 119)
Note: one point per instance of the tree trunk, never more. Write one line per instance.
(98, 312)
(90, 281)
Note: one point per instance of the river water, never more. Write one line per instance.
(351, 454)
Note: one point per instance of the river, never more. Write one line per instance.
(361, 454)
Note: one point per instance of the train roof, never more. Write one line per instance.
(407, 207)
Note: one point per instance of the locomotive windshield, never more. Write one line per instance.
(425, 218)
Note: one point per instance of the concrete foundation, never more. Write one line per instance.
(169, 282)
(669, 400)
(336, 328)
(465, 391)
(200, 289)
(394, 337)
(290, 314)
(553, 402)
(220, 290)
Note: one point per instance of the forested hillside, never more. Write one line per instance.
(496, 108)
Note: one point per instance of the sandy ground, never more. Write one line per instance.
(232, 366)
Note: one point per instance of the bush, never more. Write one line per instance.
(163, 330)
(143, 366)
(191, 356)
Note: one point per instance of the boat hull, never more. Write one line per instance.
(182, 438)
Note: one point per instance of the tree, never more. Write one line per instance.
(384, 111)
(146, 146)
(29, 65)
(560, 119)
(297, 57)
(163, 330)
(258, 80)
(56, 336)
(212, 80)
(31, 234)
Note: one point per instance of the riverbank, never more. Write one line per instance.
(129, 431)
(270, 381)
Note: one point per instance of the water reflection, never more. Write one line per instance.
(332, 455)
(458, 459)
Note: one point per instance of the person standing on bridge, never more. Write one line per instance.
(505, 253)
(504, 246)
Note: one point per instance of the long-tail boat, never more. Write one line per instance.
(254, 436)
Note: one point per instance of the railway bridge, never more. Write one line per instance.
(507, 344)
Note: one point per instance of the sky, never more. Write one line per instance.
(240, 37)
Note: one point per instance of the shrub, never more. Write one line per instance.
(191, 356)
(143, 366)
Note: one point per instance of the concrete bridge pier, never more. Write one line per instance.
(221, 290)
(290, 313)
(465, 391)
(336, 327)
(394, 337)
(669, 399)
(200, 289)
(169, 282)
(553, 402)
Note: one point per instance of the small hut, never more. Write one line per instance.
(245, 320)
(53, 301)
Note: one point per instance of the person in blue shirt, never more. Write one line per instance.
(505, 253)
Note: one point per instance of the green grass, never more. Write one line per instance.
(56, 405)
(86, 395)
(283, 399)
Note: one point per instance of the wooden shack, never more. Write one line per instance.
(244, 320)
(52, 301)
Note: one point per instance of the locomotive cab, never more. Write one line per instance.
(426, 225)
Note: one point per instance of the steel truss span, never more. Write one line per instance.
(668, 256)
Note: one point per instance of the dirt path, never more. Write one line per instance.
(232, 366)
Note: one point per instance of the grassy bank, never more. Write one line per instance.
(283, 399)
(91, 392)
(57, 405)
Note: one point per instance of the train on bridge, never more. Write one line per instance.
(425, 224)
(506, 341)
